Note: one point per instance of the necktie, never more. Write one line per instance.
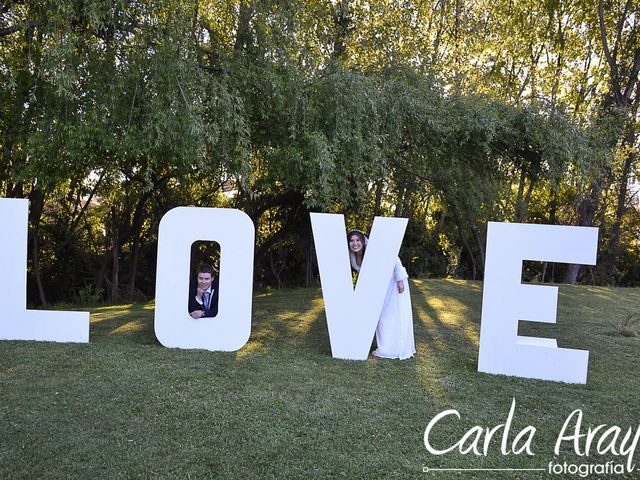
(206, 297)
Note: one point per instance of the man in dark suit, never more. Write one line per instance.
(203, 296)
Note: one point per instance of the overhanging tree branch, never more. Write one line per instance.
(633, 78)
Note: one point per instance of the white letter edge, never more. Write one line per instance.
(16, 322)
(352, 314)
(230, 329)
(506, 300)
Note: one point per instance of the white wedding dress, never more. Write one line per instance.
(394, 334)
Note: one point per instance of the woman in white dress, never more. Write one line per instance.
(394, 334)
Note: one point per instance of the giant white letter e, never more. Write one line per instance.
(506, 300)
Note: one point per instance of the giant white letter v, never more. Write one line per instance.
(352, 314)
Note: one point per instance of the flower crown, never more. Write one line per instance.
(360, 233)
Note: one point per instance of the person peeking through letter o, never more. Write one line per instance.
(203, 296)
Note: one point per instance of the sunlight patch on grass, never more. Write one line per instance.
(447, 333)
(259, 342)
(429, 373)
(111, 308)
(262, 295)
(446, 313)
(452, 311)
(109, 313)
(276, 328)
(446, 306)
(95, 319)
(305, 321)
(251, 347)
(133, 326)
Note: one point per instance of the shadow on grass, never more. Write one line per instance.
(296, 319)
(447, 323)
(291, 319)
(123, 323)
(447, 330)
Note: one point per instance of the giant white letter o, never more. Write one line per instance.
(230, 329)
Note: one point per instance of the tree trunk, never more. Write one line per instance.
(443, 216)
(570, 277)
(36, 266)
(115, 257)
(613, 247)
(37, 204)
(134, 233)
(520, 208)
(309, 277)
(243, 32)
(553, 220)
(479, 243)
(378, 199)
(621, 206)
(135, 250)
(275, 270)
(612, 251)
(102, 271)
(343, 23)
(426, 201)
(400, 202)
(472, 258)
(586, 213)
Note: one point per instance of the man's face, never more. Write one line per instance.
(204, 280)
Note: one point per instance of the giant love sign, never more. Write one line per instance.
(352, 313)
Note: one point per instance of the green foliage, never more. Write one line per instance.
(88, 296)
(451, 115)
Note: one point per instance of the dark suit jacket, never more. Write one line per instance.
(194, 305)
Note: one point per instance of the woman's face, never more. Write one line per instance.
(355, 244)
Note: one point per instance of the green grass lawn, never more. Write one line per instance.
(123, 406)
